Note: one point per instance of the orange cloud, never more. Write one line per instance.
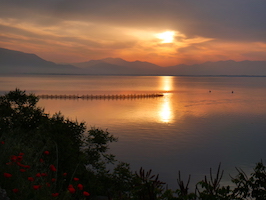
(78, 41)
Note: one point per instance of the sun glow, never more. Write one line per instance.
(166, 37)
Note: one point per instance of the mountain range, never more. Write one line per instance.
(16, 62)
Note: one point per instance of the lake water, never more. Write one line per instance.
(197, 124)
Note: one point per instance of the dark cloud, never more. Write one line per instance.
(193, 48)
(233, 20)
(29, 35)
(19, 31)
(121, 45)
(258, 55)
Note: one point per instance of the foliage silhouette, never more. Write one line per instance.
(32, 129)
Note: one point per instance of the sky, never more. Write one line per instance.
(163, 32)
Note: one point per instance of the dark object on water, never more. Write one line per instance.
(120, 96)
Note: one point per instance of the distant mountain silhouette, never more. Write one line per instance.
(119, 66)
(19, 62)
(229, 67)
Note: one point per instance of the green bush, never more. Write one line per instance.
(26, 128)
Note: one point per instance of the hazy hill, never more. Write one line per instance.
(119, 66)
(19, 62)
(228, 67)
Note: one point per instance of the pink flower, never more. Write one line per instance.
(7, 175)
(76, 179)
(36, 187)
(2, 142)
(86, 193)
(19, 158)
(80, 186)
(41, 160)
(55, 194)
(15, 190)
(52, 168)
(21, 165)
(71, 190)
(22, 170)
(44, 174)
(46, 152)
(64, 174)
(31, 179)
(13, 158)
(53, 179)
(38, 175)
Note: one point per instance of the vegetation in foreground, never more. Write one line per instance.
(50, 157)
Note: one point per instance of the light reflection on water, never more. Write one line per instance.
(166, 110)
(189, 129)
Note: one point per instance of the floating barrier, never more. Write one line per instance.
(87, 97)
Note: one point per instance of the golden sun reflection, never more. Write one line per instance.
(166, 111)
(166, 83)
(166, 114)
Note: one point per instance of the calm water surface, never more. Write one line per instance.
(189, 129)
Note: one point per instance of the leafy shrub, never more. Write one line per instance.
(28, 129)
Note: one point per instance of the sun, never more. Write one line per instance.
(166, 37)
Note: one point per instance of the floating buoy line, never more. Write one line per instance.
(88, 97)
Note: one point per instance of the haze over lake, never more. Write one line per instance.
(198, 123)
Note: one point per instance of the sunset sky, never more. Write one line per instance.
(164, 32)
